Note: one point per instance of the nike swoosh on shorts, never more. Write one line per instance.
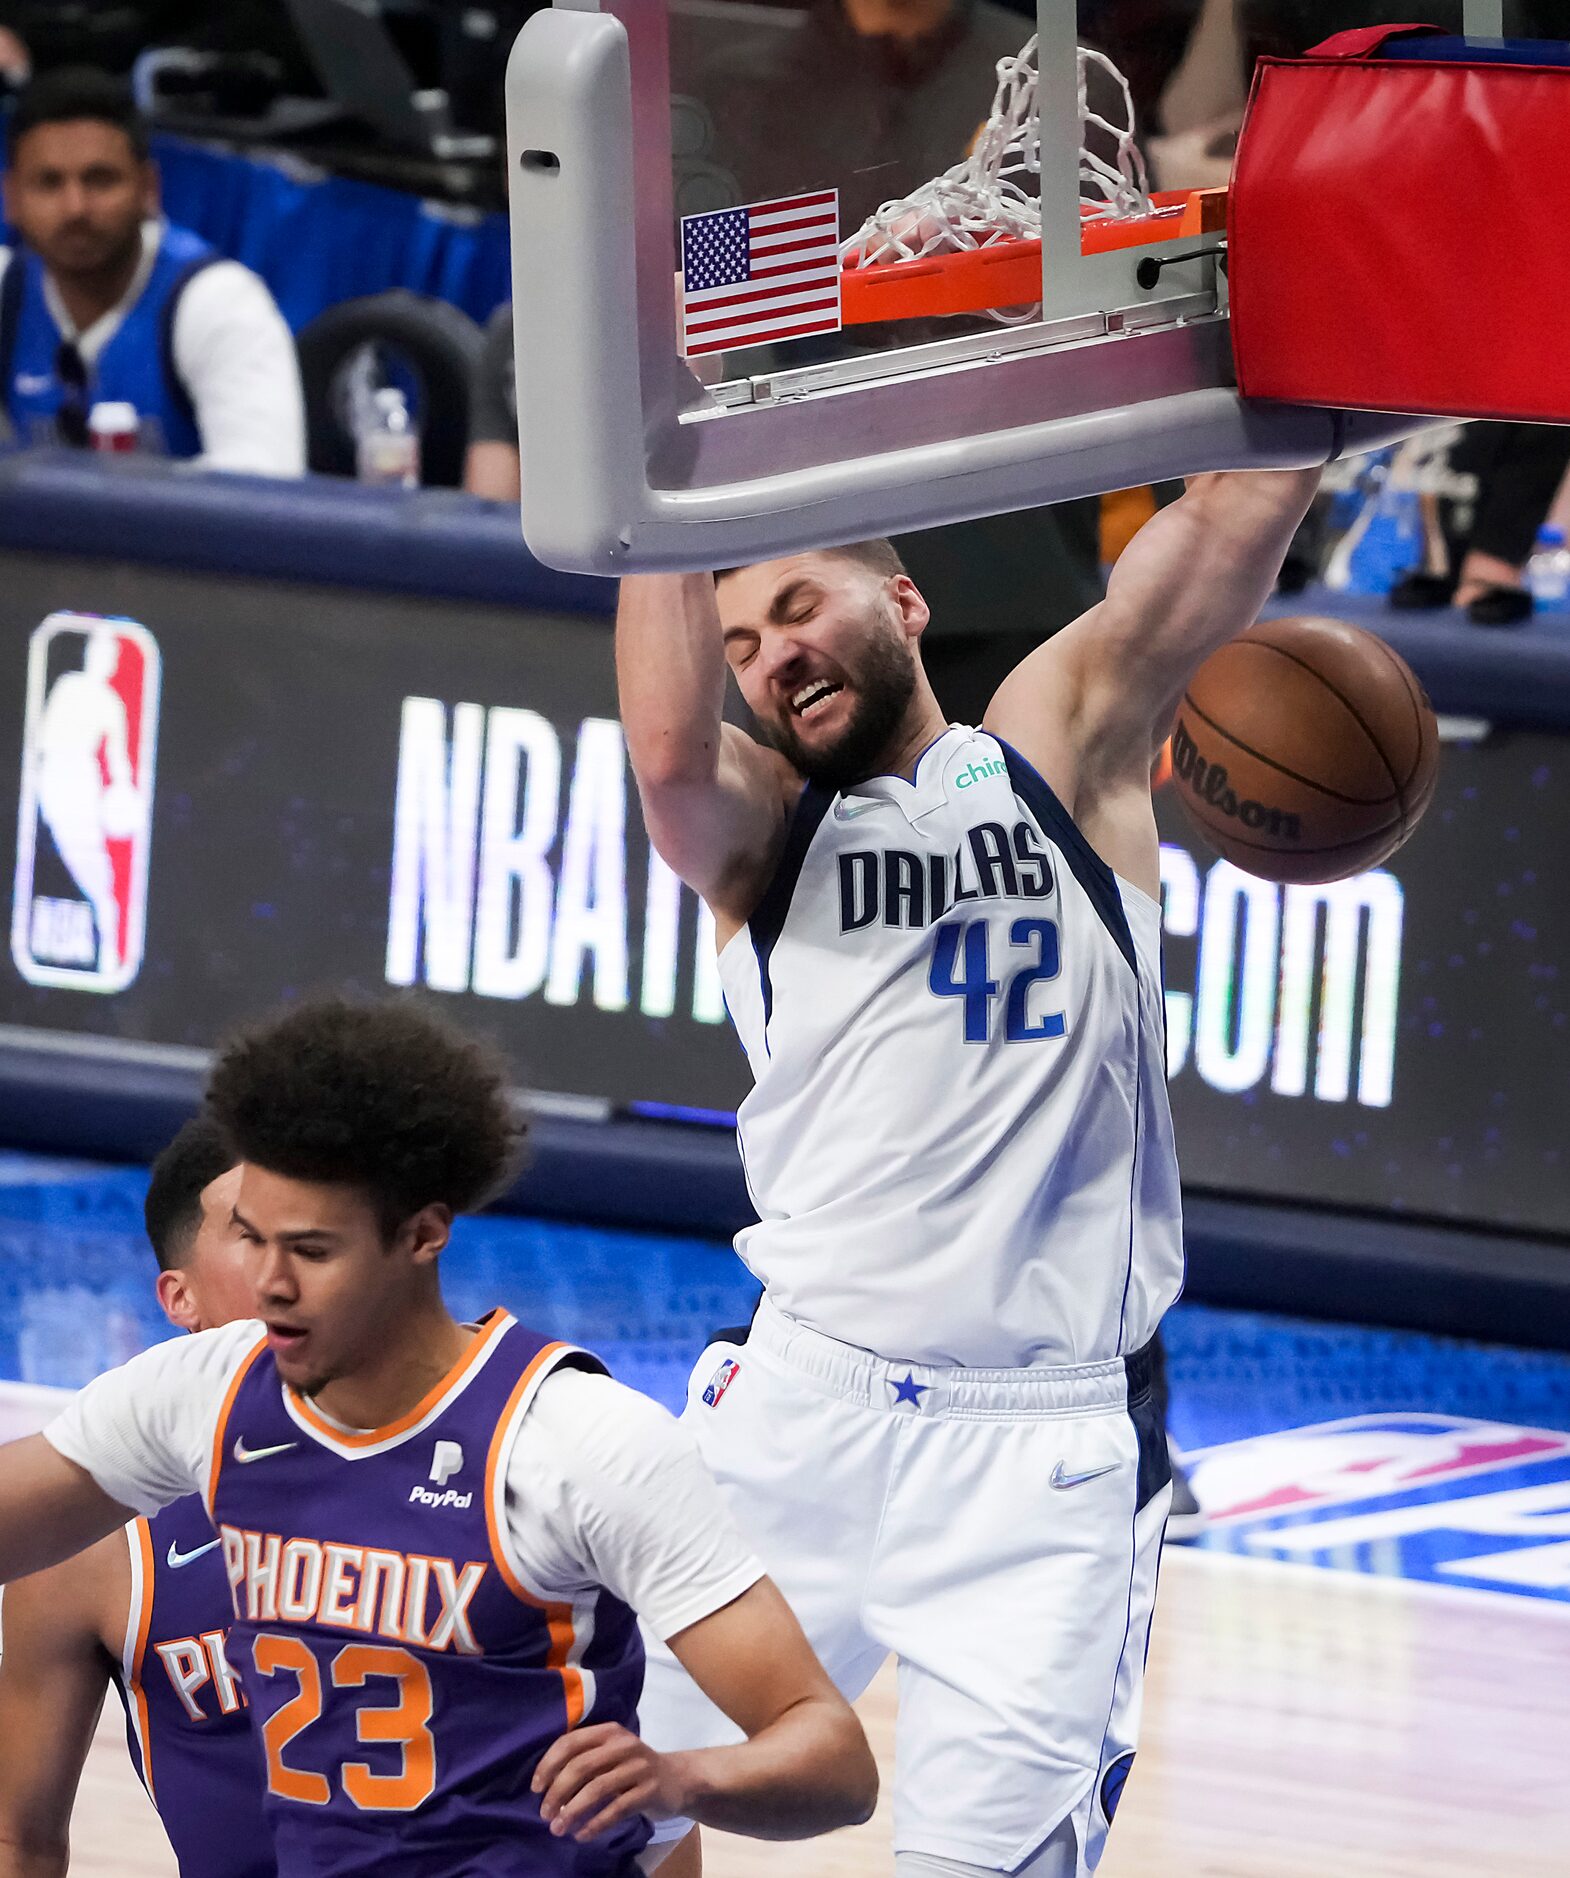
(1061, 1479)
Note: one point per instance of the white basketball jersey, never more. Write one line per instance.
(958, 1140)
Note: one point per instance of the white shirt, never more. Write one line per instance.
(603, 1488)
(233, 352)
(958, 1138)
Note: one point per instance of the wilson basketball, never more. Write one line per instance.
(1305, 750)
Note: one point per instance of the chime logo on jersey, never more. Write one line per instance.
(89, 745)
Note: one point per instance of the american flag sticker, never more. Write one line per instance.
(764, 272)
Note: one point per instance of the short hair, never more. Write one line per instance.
(880, 555)
(381, 1097)
(172, 1211)
(73, 92)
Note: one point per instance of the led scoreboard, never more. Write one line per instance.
(319, 787)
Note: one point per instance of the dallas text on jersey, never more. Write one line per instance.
(915, 890)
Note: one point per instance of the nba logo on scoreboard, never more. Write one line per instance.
(79, 907)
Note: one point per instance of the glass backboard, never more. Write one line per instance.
(731, 344)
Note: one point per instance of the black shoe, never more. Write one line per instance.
(1186, 1518)
(1501, 606)
(1417, 592)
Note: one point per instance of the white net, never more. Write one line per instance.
(992, 196)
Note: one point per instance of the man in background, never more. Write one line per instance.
(106, 302)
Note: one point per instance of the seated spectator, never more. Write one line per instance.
(105, 301)
(1476, 549)
(491, 467)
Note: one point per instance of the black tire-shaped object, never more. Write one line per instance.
(441, 346)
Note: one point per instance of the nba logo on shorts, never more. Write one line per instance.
(720, 1381)
(79, 908)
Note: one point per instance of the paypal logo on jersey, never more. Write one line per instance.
(424, 1496)
(446, 1460)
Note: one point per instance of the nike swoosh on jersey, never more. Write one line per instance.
(1062, 1479)
(243, 1454)
(177, 1558)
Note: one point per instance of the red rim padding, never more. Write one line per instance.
(1396, 237)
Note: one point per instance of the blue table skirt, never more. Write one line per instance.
(318, 239)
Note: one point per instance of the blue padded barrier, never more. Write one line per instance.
(320, 529)
(442, 542)
(118, 1101)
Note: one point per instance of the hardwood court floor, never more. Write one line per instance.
(1299, 1724)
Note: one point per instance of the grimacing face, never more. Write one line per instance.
(78, 194)
(823, 650)
(328, 1284)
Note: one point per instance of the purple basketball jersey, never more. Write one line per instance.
(186, 1720)
(404, 1682)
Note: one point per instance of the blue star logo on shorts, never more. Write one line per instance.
(909, 1390)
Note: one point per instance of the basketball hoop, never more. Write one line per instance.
(970, 240)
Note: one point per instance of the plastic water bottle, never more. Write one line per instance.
(113, 427)
(387, 444)
(1548, 571)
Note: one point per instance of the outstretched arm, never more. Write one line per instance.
(53, 1674)
(135, 1438)
(805, 1767)
(50, 1508)
(714, 801)
(1091, 707)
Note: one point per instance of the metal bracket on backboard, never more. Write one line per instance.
(630, 464)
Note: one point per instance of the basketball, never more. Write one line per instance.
(1305, 750)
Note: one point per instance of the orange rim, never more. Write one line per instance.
(1008, 273)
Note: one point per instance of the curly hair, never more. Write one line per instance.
(172, 1212)
(376, 1096)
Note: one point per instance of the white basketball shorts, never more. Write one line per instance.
(997, 1531)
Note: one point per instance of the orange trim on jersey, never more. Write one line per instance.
(491, 1328)
(558, 1617)
(224, 1413)
(144, 1622)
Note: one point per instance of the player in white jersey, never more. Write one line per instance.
(941, 948)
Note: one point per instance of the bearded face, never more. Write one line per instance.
(824, 662)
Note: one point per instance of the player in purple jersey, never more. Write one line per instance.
(147, 1608)
(435, 1534)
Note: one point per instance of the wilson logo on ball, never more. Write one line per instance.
(1207, 782)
